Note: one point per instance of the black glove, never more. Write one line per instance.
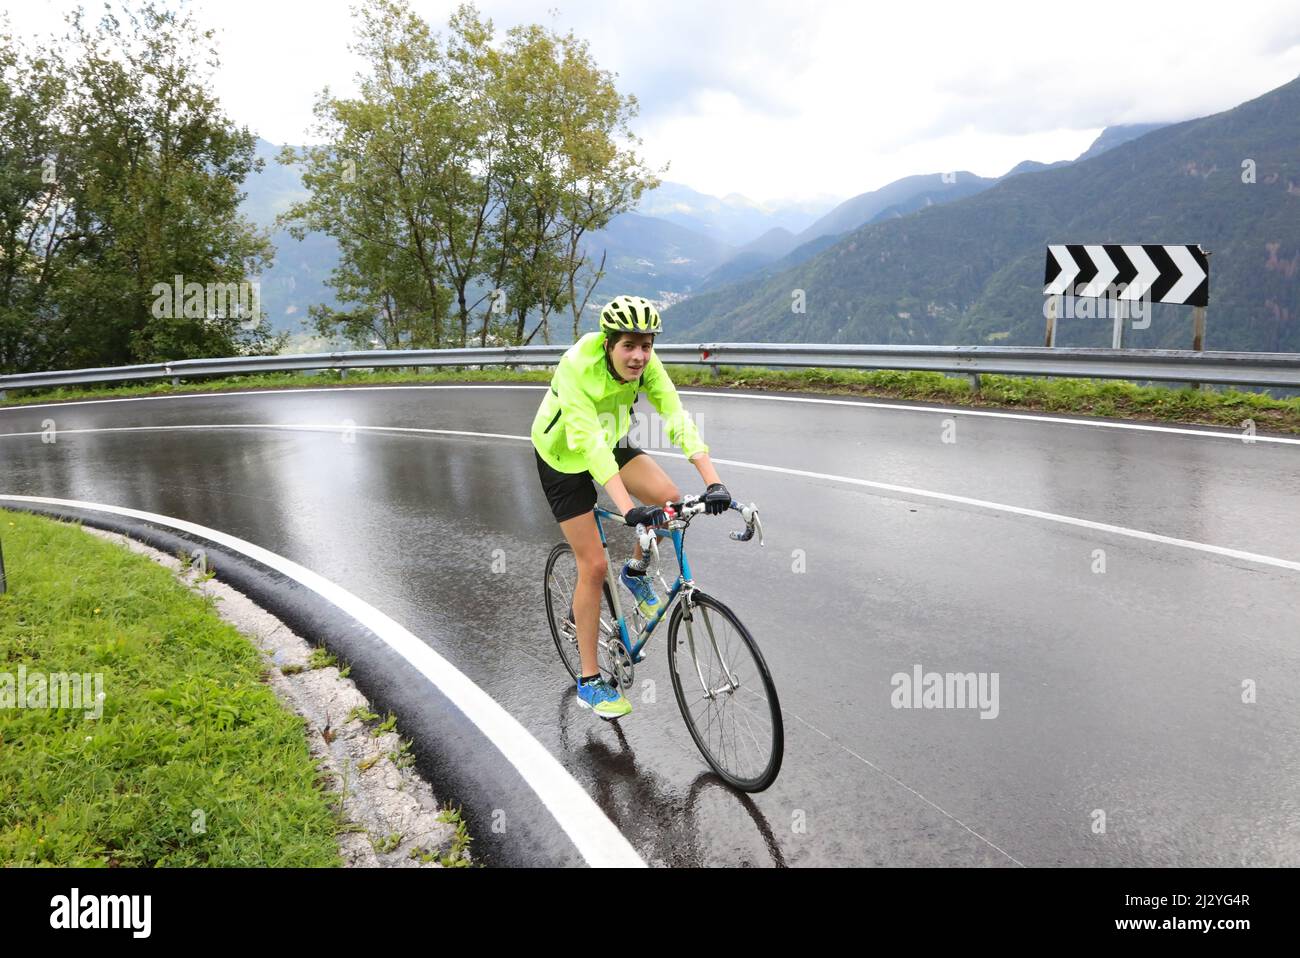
(717, 499)
(645, 515)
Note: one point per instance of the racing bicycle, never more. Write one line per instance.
(722, 683)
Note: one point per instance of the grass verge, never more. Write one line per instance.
(1110, 398)
(193, 761)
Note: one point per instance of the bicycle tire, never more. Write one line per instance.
(707, 604)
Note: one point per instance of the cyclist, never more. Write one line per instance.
(580, 434)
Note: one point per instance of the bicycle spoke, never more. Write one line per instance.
(749, 728)
(715, 712)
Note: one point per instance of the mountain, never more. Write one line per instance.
(651, 257)
(296, 279)
(865, 207)
(898, 198)
(777, 250)
(776, 241)
(732, 220)
(751, 257)
(971, 271)
(1114, 136)
(1033, 166)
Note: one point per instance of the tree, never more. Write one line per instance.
(395, 181)
(565, 173)
(476, 169)
(35, 245)
(140, 185)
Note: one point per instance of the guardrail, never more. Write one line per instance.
(1157, 365)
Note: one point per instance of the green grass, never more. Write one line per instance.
(361, 713)
(1114, 398)
(193, 762)
(320, 659)
(458, 856)
(460, 843)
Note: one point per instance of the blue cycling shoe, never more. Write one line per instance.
(642, 588)
(603, 699)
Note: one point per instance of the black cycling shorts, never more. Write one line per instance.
(574, 493)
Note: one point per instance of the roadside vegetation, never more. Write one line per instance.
(191, 761)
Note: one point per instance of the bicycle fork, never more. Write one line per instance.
(733, 682)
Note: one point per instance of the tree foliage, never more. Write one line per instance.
(461, 179)
(119, 172)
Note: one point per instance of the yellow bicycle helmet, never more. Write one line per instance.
(631, 314)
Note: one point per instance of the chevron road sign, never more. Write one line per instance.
(1149, 273)
(1169, 274)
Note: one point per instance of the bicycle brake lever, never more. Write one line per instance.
(750, 515)
(646, 537)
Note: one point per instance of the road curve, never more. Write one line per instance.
(1135, 589)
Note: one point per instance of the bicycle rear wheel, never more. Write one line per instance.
(561, 582)
(726, 693)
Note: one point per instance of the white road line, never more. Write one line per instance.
(1019, 511)
(899, 782)
(1026, 417)
(785, 470)
(257, 392)
(288, 426)
(596, 837)
(952, 411)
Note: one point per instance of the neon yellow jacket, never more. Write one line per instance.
(586, 411)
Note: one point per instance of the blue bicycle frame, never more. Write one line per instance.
(684, 581)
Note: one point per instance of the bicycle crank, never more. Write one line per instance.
(620, 664)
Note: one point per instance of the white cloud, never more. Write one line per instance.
(811, 97)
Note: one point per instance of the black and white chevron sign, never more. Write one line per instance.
(1167, 274)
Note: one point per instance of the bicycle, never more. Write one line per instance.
(721, 673)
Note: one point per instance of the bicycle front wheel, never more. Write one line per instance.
(726, 694)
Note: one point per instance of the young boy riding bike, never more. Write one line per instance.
(580, 434)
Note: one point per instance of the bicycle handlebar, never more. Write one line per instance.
(750, 515)
(689, 506)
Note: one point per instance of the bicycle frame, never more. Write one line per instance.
(683, 584)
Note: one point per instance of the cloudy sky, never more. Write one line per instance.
(788, 100)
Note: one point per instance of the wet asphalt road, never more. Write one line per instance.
(1119, 691)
